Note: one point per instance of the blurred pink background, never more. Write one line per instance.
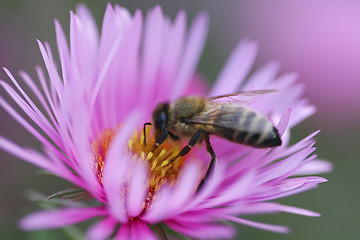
(318, 39)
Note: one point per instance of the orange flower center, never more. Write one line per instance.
(164, 165)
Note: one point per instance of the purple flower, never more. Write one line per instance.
(91, 114)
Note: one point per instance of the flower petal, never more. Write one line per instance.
(263, 226)
(262, 77)
(117, 163)
(194, 46)
(315, 167)
(236, 68)
(157, 210)
(135, 230)
(195, 229)
(137, 189)
(102, 230)
(152, 52)
(59, 218)
(38, 159)
(185, 188)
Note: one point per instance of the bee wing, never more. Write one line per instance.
(242, 97)
(208, 117)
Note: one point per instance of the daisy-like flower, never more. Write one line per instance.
(90, 114)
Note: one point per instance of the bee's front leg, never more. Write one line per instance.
(161, 138)
(144, 131)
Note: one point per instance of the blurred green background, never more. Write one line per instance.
(320, 41)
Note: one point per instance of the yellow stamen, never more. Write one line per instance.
(163, 160)
(162, 153)
(149, 156)
(130, 143)
(164, 163)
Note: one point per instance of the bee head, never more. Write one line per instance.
(160, 117)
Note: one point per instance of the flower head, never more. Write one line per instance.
(90, 119)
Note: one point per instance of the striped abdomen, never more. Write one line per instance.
(245, 126)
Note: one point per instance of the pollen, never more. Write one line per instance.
(163, 162)
(100, 148)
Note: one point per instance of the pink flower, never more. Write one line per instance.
(90, 118)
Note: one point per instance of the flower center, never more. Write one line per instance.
(164, 165)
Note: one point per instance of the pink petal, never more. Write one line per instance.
(233, 191)
(33, 113)
(283, 152)
(135, 230)
(137, 189)
(290, 187)
(195, 229)
(209, 189)
(127, 76)
(39, 96)
(158, 211)
(236, 68)
(45, 88)
(268, 207)
(315, 167)
(152, 51)
(59, 218)
(263, 226)
(263, 76)
(84, 166)
(28, 127)
(36, 158)
(26, 154)
(83, 43)
(173, 49)
(41, 117)
(284, 166)
(102, 230)
(101, 77)
(54, 75)
(186, 187)
(294, 210)
(194, 46)
(117, 163)
(140, 230)
(114, 24)
(283, 123)
(90, 25)
(64, 52)
(124, 232)
(301, 111)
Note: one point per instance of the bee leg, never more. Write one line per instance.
(193, 140)
(144, 129)
(211, 165)
(161, 138)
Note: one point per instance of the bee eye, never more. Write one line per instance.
(161, 121)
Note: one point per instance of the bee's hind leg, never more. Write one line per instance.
(211, 165)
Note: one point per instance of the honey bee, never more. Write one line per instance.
(226, 116)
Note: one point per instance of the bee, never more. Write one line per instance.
(226, 116)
